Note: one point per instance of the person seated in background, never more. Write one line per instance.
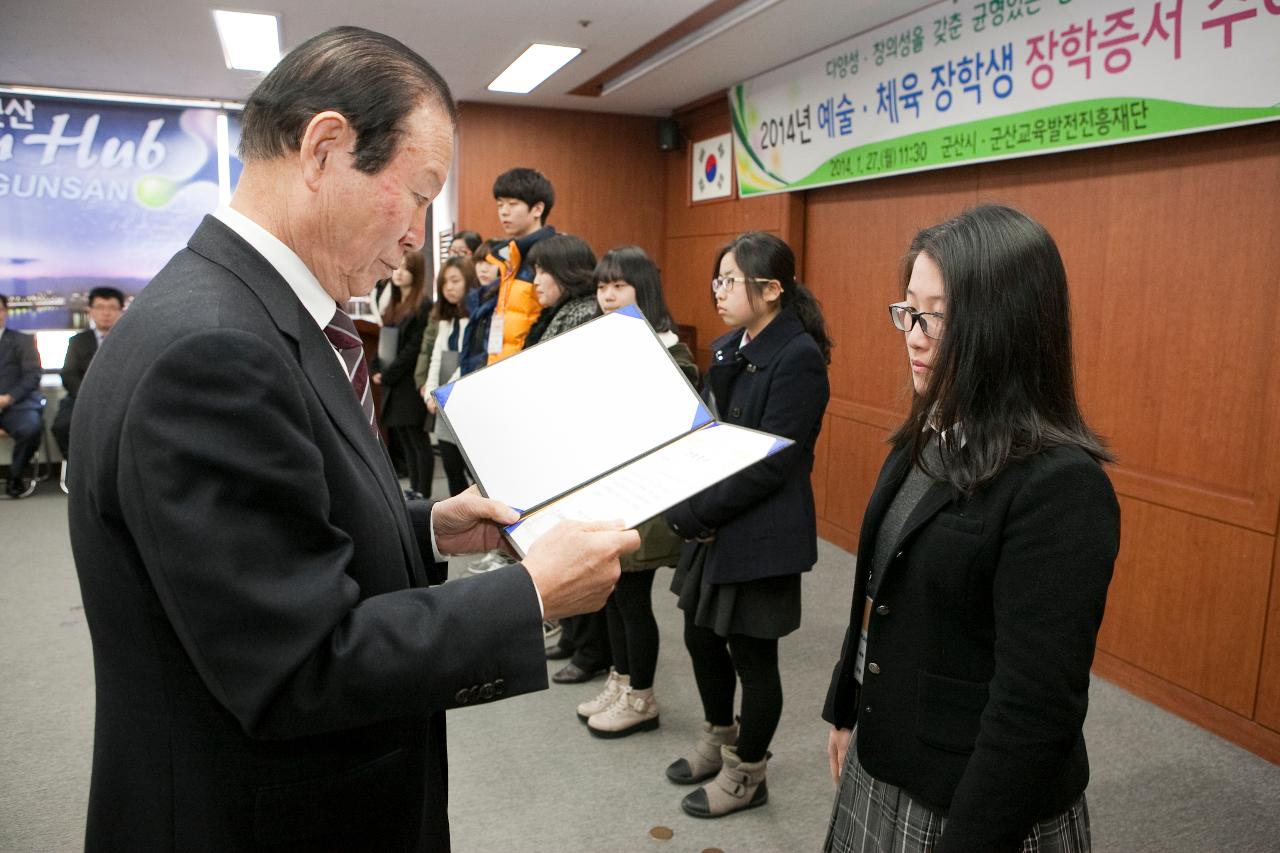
(106, 304)
(402, 412)
(464, 244)
(21, 402)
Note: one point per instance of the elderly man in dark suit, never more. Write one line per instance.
(21, 403)
(105, 305)
(271, 660)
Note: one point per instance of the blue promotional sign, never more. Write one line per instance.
(100, 193)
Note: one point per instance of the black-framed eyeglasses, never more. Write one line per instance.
(905, 318)
(724, 283)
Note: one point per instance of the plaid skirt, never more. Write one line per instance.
(871, 816)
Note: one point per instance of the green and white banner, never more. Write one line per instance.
(963, 82)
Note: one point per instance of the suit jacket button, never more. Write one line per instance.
(499, 687)
(883, 609)
(751, 368)
(735, 412)
(461, 698)
(898, 556)
(474, 693)
(486, 692)
(873, 668)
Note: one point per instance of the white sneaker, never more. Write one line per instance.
(606, 697)
(633, 711)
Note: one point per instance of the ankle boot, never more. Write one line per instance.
(606, 697)
(633, 711)
(739, 785)
(704, 760)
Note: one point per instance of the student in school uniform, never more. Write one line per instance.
(986, 549)
(754, 534)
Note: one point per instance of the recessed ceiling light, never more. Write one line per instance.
(250, 42)
(533, 66)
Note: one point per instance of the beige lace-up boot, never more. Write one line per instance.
(606, 697)
(633, 711)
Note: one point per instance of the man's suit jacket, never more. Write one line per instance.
(80, 351)
(270, 662)
(979, 645)
(20, 369)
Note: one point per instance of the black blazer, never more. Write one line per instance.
(20, 369)
(982, 638)
(401, 403)
(763, 517)
(80, 351)
(270, 661)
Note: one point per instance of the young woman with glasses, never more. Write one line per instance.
(983, 564)
(754, 534)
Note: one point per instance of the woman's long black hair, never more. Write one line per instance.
(764, 256)
(1003, 373)
(632, 265)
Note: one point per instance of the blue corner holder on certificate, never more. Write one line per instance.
(597, 423)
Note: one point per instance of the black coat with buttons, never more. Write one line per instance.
(980, 642)
(763, 517)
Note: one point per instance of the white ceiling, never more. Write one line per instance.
(169, 47)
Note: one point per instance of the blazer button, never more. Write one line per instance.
(898, 556)
(461, 697)
(499, 687)
(873, 668)
(751, 368)
(883, 609)
(486, 692)
(735, 412)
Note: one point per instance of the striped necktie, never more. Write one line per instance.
(342, 333)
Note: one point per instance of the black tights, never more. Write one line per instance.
(417, 457)
(633, 632)
(454, 468)
(718, 663)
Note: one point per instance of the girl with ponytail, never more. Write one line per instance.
(753, 535)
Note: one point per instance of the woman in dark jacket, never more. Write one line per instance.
(756, 532)
(403, 414)
(983, 565)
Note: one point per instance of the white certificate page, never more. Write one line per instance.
(544, 421)
(647, 486)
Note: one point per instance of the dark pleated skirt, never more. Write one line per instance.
(768, 608)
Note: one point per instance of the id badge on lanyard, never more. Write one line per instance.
(861, 660)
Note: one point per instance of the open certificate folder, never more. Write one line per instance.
(597, 423)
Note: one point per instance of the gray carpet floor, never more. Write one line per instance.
(526, 776)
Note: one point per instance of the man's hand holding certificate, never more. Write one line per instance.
(620, 468)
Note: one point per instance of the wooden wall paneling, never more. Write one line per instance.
(821, 460)
(1188, 602)
(855, 237)
(1267, 710)
(1172, 375)
(1186, 704)
(606, 169)
(856, 452)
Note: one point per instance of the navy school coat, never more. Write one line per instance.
(763, 517)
